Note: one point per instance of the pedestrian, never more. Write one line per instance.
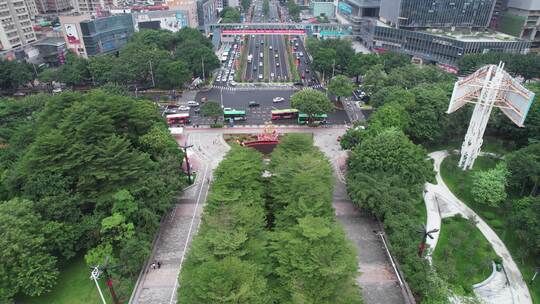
(153, 266)
(158, 265)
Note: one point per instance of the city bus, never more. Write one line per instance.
(316, 119)
(234, 115)
(224, 56)
(178, 119)
(284, 114)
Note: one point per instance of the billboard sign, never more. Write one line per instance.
(517, 101)
(71, 33)
(467, 88)
(263, 32)
(344, 8)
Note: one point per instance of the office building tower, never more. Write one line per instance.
(522, 19)
(437, 13)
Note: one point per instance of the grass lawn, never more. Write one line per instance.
(74, 287)
(463, 256)
(460, 183)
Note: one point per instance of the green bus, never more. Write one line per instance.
(234, 115)
(316, 119)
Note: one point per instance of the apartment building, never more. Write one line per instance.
(15, 25)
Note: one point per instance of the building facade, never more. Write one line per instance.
(522, 19)
(89, 37)
(359, 8)
(172, 20)
(322, 8)
(207, 13)
(52, 6)
(437, 13)
(15, 25)
(92, 6)
(189, 6)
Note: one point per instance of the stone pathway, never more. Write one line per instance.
(376, 277)
(505, 287)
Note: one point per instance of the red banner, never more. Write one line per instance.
(263, 32)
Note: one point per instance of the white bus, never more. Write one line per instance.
(224, 56)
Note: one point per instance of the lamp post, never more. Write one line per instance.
(185, 147)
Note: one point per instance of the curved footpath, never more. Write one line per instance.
(505, 287)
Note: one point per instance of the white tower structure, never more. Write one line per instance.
(488, 87)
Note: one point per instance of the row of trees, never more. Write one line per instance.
(271, 240)
(230, 15)
(526, 66)
(168, 60)
(81, 174)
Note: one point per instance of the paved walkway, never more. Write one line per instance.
(441, 203)
(180, 225)
(376, 276)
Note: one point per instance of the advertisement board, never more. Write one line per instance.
(467, 88)
(517, 101)
(71, 33)
(344, 8)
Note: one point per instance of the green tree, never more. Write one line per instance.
(48, 76)
(138, 61)
(392, 152)
(13, 74)
(340, 86)
(524, 169)
(212, 109)
(391, 115)
(374, 80)
(311, 102)
(266, 7)
(526, 212)
(74, 71)
(324, 60)
(393, 94)
(392, 60)
(360, 63)
(229, 281)
(230, 15)
(246, 4)
(172, 74)
(489, 187)
(197, 55)
(26, 265)
(105, 69)
(314, 261)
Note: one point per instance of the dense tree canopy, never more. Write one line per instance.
(489, 187)
(230, 15)
(311, 102)
(14, 74)
(340, 86)
(96, 172)
(526, 66)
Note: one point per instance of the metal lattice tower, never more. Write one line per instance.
(487, 88)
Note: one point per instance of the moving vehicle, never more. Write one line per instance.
(315, 119)
(250, 57)
(183, 108)
(278, 99)
(284, 114)
(301, 54)
(270, 47)
(253, 104)
(277, 64)
(234, 115)
(261, 55)
(276, 55)
(193, 103)
(224, 56)
(178, 119)
(260, 63)
(272, 75)
(260, 76)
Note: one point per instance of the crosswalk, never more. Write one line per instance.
(254, 88)
(315, 87)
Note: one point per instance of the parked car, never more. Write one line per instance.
(278, 99)
(253, 104)
(183, 108)
(193, 103)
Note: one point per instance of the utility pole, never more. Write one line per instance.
(333, 67)
(202, 63)
(152, 74)
(94, 276)
(185, 147)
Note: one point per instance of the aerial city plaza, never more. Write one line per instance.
(270, 152)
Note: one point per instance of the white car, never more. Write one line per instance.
(231, 78)
(272, 75)
(260, 76)
(301, 54)
(193, 103)
(270, 47)
(278, 99)
(233, 83)
(227, 109)
(277, 55)
(260, 63)
(57, 90)
(183, 108)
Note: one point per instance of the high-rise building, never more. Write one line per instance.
(436, 31)
(91, 6)
(88, 37)
(52, 6)
(437, 13)
(358, 8)
(522, 19)
(15, 25)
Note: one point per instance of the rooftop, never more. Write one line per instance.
(468, 35)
